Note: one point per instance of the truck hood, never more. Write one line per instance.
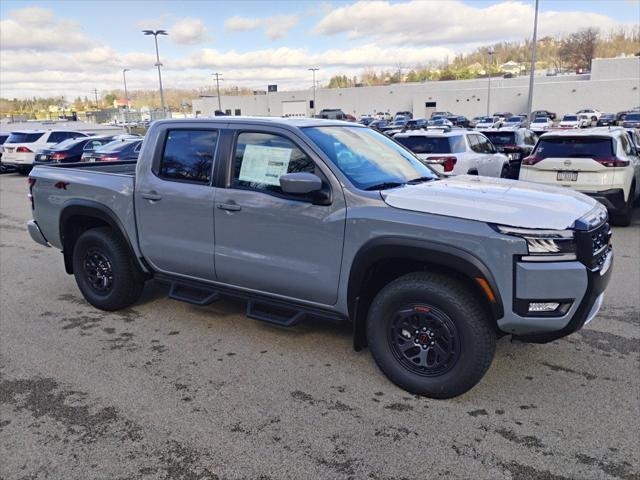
(493, 200)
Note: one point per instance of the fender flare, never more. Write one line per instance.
(92, 209)
(444, 255)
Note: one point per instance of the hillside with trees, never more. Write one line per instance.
(569, 53)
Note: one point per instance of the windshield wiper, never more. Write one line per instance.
(384, 186)
(421, 179)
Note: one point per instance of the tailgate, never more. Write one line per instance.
(584, 174)
(574, 161)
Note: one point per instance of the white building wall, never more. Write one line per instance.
(614, 85)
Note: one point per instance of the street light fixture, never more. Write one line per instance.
(490, 52)
(533, 62)
(155, 34)
(314, 70)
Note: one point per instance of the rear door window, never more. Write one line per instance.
(24, 137)
(94, 144)
(57, 137)
(569, 147)
(188, 155)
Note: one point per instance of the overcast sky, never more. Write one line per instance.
(72, 47)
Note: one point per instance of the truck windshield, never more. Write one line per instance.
(367, 157)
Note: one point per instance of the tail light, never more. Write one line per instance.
(447, 162)
(110, 158)
(58, 156)
(612, 162)
(23, 150)
(31, 181)
(532, 160)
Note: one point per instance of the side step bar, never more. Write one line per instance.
(263, 308)
(193, 295)
(274, 314)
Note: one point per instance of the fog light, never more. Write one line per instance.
(542, 307)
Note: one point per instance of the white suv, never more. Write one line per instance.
(572, 120)
(600, 162)
(456, 152)
(20, 148)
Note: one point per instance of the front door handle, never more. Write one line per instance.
(152, 196)
(229, 207)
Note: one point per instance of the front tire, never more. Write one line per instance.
(430, 335)
(104, 270)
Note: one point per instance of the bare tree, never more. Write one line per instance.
(579, 48)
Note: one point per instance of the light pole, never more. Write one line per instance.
(218, 77)
(490, 52)
(533, 63)
(314, 70)
(126, 97)
(155, 34)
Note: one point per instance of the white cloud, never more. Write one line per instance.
(275, 27)
(361, 56)
(241, 24)
(188, 31)
(419, 22)
(36, 28)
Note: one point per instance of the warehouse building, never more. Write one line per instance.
(612, 85)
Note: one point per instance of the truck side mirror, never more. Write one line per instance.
(300, 183)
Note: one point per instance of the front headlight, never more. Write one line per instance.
(545, 245)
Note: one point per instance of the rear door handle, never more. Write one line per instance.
(230, 207)
(152, 196)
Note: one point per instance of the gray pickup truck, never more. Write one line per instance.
(313, 218)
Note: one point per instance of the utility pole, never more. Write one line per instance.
(155, 34)
(533, 62)
(126, 98)
(95, 91)
(490, 52)
(218, 78)
(314, 70)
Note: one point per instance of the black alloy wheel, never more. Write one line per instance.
(425, 340)
(99, 270)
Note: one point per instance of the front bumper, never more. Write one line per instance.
(577, 286)
(587, 309)
(613, 199)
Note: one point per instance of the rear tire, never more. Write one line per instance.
(24, 170)
(104, 270)
(623, 219)
(430, 335)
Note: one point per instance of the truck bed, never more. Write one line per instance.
(119, 168)
(108, 185)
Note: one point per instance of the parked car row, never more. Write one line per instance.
(601, 162)
(22, 149)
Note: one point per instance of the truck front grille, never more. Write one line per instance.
(594, 246)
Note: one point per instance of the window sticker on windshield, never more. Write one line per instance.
(261, 164)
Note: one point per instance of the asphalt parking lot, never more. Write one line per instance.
(165, 390)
